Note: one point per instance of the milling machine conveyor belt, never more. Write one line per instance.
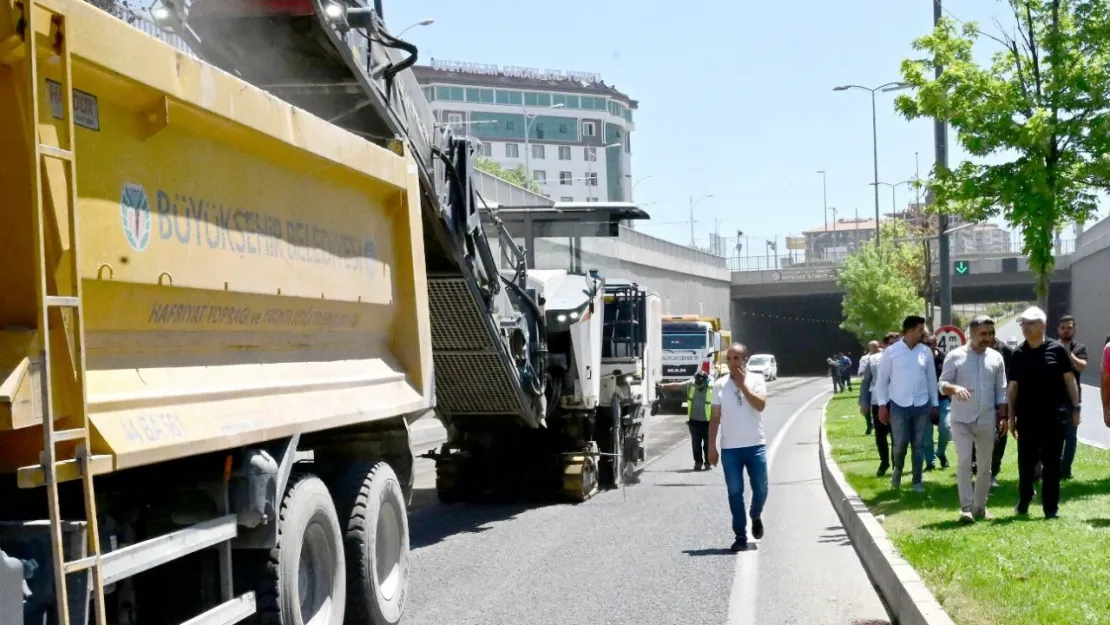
(470, 363)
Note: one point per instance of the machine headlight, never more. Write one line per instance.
(560, 318)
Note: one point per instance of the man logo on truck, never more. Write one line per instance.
(134, 212)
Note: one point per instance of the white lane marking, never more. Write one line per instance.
(742, 598)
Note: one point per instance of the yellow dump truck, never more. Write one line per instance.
(688, 342)
(214, 308)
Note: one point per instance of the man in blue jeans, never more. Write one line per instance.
(737, 413)
(944, 428)
(906, 387)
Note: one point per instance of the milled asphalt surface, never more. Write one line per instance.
(654, 552)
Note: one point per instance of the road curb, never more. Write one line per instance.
(907, 597)
(1095, 444)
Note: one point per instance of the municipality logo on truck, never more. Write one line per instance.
(134, 213)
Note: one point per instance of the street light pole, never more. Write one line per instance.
(875, 163)
(825, 198)
(692, 205)
(940, 136)
(890, 86)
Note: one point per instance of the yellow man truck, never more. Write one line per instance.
(219, 312)
(688, 342)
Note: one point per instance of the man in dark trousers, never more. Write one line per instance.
(869, 401)
(1078, 353)
(1044, 401)
(845, 372)
(699, 397)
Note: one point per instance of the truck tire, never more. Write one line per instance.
(371, 505)
(304, 578)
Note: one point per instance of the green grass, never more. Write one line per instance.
(1004, 570)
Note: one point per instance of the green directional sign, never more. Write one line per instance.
(963, 267)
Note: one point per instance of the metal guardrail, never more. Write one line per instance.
(797, 262)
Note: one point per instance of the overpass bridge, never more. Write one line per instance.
(794, 309)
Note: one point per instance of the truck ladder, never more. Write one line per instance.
(53, 304)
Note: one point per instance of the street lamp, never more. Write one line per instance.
(893, 201)
(528, 119)
(692, 205)
(633, 190)
(890, 86)
(420, 23)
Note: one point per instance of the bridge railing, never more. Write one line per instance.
(797, 261)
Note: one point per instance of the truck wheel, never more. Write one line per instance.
(304, 580)
(372, 506)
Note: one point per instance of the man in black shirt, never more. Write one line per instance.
(1044, 401)
(1078, 354)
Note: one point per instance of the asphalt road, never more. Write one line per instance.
(654, 552)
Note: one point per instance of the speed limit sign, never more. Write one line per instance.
(948, 338)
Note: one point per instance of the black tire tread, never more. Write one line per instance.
(268, 595)
(351, 488)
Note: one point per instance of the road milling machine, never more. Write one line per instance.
(513, 394)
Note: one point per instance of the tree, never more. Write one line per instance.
(1043, 100)
(518, 176)
(908, 256)
(880, 288)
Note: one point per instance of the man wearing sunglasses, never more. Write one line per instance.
(737, 413)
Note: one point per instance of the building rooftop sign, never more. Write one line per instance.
(515, 72)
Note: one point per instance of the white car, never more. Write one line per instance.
(765, 365)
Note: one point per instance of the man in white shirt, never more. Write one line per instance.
(737, 413)
(870, 401)
(974, 376)
(866, 378)
(906, 389)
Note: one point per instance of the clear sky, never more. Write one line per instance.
(735, 98)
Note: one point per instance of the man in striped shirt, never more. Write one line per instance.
(974, 376)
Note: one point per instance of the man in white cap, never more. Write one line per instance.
(1044, 401)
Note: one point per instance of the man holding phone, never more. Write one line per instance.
(737, 413)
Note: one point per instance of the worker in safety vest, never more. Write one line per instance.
(699, 396)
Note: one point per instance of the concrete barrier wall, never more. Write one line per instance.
(1090, 302)
(685, 287)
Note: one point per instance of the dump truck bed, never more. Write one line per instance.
(249, 271)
